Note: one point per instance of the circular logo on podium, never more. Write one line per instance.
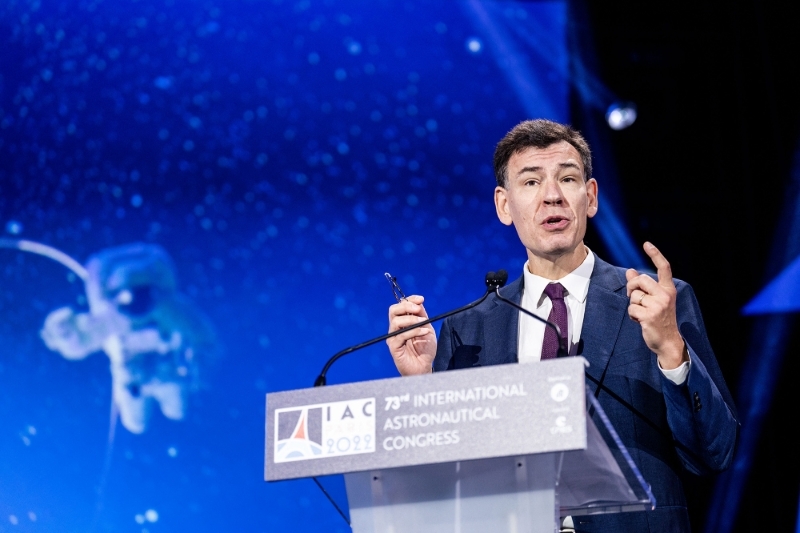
(559, 392)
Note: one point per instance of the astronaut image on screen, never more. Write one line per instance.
(152, 335)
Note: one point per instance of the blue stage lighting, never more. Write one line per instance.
(781, 295)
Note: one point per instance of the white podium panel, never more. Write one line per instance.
(504, 448)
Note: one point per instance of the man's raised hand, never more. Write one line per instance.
(413, 351)
(652, 304)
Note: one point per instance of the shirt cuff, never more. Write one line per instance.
(677, 375)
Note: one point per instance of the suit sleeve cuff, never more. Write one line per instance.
(677, 375)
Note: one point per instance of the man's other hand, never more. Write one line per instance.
(413, 351)
(652, 305)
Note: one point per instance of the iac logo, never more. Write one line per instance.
(325, 430)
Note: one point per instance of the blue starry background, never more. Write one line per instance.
(285, 154)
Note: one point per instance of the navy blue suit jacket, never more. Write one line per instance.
(697, 421)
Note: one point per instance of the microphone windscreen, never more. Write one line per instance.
(495, 280)
(502, 277)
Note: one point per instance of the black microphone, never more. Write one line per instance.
(562, 349)
(494, 280)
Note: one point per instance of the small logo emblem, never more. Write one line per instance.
(561, 426)
(559, 392)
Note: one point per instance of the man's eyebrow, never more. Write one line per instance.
(568, 164)
(528, 169)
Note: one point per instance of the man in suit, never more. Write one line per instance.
(660, 383)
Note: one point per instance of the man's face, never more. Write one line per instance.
(547, 199)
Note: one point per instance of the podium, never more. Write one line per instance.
(504, 448)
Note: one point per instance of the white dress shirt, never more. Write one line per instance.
(576, 285)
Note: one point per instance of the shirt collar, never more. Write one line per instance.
(576, 282)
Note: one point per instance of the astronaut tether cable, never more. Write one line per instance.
(46, 251)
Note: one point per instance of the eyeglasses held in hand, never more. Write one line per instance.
(398, 292)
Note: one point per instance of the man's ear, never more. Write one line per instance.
(501, 205)
(591, 193)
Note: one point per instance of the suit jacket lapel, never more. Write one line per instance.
(606, 308)
(501, 327)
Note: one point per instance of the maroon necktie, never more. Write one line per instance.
(558, 316)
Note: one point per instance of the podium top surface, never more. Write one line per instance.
(478, 413)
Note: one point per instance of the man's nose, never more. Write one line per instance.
(552, 192)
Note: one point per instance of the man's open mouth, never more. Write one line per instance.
(555, 221)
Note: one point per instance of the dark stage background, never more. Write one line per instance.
(710, 171)
(285, 154)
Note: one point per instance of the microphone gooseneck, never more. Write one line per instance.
(562, 352)
(494, 280)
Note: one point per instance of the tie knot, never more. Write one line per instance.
(554, 291)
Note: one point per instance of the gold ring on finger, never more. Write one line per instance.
(642, 297)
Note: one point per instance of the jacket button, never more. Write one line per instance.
(697, 403)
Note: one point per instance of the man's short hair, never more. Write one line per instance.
(539, 133)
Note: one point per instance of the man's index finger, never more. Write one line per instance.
(662, 265)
